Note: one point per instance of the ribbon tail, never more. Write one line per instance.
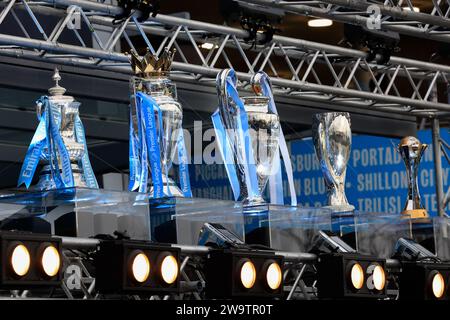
(223, 145)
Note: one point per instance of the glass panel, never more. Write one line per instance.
(441, 227)
(81, 211)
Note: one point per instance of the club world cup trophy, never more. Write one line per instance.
(59, 143)
(411, 151)
(332, 140)
(156, 128)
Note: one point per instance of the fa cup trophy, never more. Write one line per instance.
(332, 140)
(251, 131)
(411, 151)
(156, 128)
(60, 144)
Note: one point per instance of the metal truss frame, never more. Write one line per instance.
(317, 72)
(337, 84)
(394, 15)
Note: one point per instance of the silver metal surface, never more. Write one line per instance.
(332, 140)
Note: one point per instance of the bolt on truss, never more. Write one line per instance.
(308, 70)
(390, 15)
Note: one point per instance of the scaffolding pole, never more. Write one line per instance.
(438, 167)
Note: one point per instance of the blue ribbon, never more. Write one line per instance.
(47, 135)
(276, 182)
(183, 166)
(224, 146)
(145, 150)
(85, 164)
(244, 139)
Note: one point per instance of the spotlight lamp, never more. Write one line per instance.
(127, 266)
(29, 260)
(349, 275)
(424, 281)
(240, 273)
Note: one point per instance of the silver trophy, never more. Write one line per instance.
(65, 110)
(152, 78)
(411, 151)
(332, 140)
(264, 132)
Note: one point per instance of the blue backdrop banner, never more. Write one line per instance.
(376, 175)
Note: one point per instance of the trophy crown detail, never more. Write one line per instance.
(150, 64)
(57, 90)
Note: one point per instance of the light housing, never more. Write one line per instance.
(350, 275)
(21, 257)
(114, 267)
(421, 281)
(227, 268)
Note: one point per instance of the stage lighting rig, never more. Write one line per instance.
(379, 43)
(241, 273)
(255, 19)
(328, 242)
(409, 250)
(424, 281)
(29, 260)
(128, 266)
(216, 235)
(145, 7)
(349, 275)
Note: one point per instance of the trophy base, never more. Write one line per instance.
(416, 214)
(345, 208)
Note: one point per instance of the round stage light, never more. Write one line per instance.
(379, 278)
(169, 269)
(140, 267)
(20, 260)
(248, 274)
(274, 276)
(51, 261)
(320, 23)
(357, 276)
(438, 285)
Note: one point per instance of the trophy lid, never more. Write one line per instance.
(57, 92)
(411, 142)
(150, 65)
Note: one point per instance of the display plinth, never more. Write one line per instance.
(378, 233)
(76, 212)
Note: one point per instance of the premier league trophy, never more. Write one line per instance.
(156, 137)
(411, 151)
(156, 128)
(332, 140)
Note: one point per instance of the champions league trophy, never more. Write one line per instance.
(153, 96)
(253, 144)
(411, 151)
(332, 140)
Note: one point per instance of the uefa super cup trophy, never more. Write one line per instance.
(263, 136)
(411, 150)
(332, 140)
(152, 79)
